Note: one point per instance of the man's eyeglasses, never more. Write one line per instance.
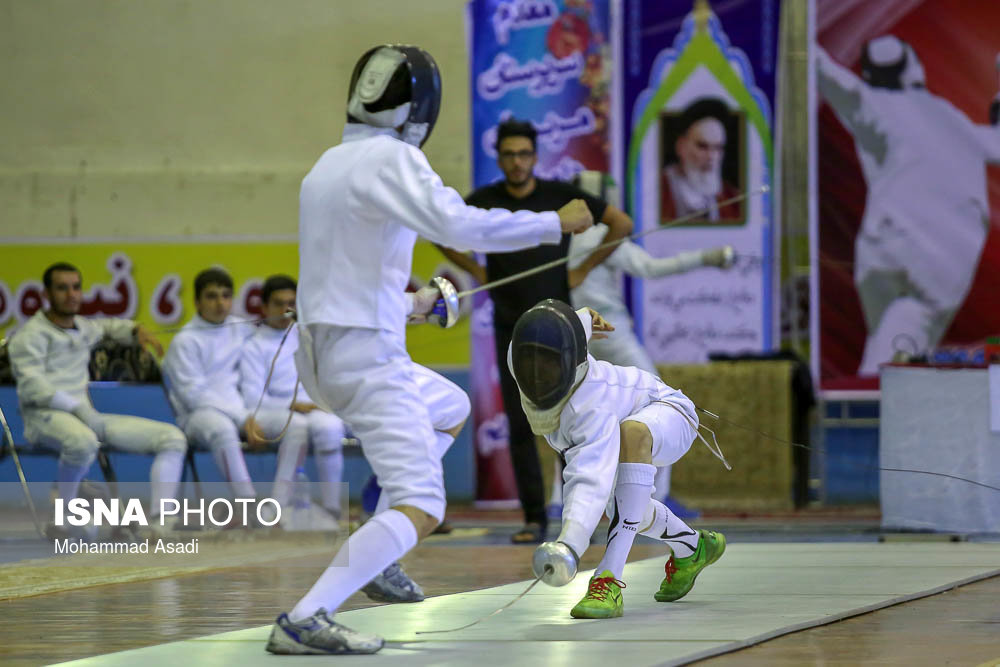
(522, 155)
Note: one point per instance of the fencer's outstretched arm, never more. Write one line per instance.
(589, 475)
(406, 189)
(844, 90)
(635, 261)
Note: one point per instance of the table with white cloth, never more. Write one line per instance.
(938, 420)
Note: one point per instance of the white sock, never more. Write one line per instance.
(68, 479)
(662, 483)
(379, 542)
(632, 495)
(661, 524)
(230, 460)
(291, 454)
(164, 477)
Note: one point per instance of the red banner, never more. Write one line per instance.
(904, 261)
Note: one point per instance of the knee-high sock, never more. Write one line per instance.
(662, 483)
(661, 524)
(632, 495)
(230, 460)
(379, 542)
(164, 476)
(291, 454)
(442, 443)
(68, 479)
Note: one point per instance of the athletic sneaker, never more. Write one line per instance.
(318, 634)
(681, 572)
(603, 598)
(393, 585)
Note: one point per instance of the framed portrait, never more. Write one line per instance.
(701, 164)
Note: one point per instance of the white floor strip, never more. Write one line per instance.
(754, 593)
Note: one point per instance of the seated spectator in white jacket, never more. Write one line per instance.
(50, 357)
(202, 372)
(309, 424)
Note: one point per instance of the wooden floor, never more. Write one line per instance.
(958, 627)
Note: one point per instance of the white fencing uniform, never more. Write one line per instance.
(589, 438)
(323, 430)
(361, 208)
(50, 366)
(926, 214)
(202, 372)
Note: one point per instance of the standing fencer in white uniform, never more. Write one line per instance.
(202, 373)
(602, 290)
(613, 425)
(309, 425)
(926, 214)
(361, 208)
(49, 356)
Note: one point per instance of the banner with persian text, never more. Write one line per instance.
(153, 283)
(548, 62)
(698, 87)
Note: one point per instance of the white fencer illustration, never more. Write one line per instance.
(926, 214)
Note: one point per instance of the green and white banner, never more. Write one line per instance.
(697, 107)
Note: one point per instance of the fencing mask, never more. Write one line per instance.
(394, 85)
(548, 360)
(889, 62)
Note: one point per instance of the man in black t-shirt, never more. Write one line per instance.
(521, 191)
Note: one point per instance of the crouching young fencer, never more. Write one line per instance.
(613, 425)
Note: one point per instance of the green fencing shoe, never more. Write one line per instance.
(681, 572)
(603, 598)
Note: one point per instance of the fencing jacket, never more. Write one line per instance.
(50, 363)
(588, 435)
(361, 208)
(255, 364)
(202, 368)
